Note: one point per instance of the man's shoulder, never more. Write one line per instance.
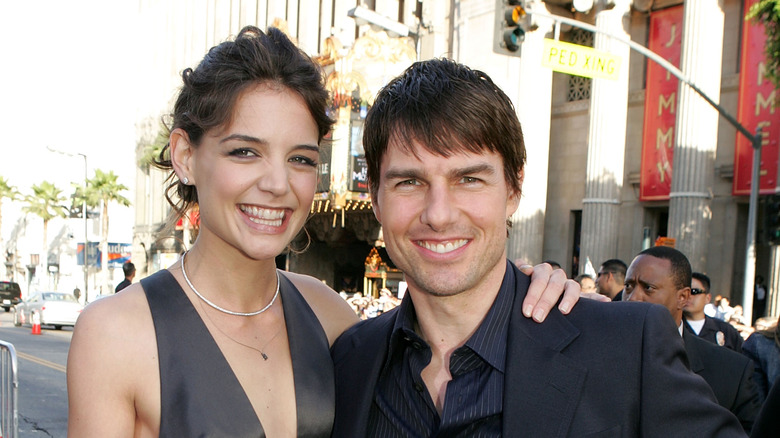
(368, 331)
(720, 324)
(715, 354)
(591, 322)
(596, 312)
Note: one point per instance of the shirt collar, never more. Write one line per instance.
(488, 341)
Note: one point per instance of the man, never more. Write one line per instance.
(759, 299)
(662, 275)
(706, 327)
(129, 270)
(587, 284)
(609, 280)
(457, 358)
(768, 423)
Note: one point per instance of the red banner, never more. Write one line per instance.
(758, 106)
(665, 39)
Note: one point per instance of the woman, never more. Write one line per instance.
(222, 343)
(763, 348)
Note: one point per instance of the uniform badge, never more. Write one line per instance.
(720, 338)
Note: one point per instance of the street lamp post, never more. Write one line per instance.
(84, 214)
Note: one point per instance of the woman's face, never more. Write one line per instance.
(256, 178)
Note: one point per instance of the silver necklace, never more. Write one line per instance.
(229, 312)
(259, 350)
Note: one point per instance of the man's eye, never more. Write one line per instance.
(470, 179)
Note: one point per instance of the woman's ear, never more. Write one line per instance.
(182, 155)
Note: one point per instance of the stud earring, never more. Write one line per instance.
(186, 181)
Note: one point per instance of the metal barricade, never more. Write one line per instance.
(9, 386)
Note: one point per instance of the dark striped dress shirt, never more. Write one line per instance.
(473, 402)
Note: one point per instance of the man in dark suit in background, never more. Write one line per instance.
(706, 327)
(609, 279)
(129, 270)
(458, 358)
(768, 422)
(662, 275)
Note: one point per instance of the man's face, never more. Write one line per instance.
(587, 285)
(444, 218)
(696, 303)
(649, 279)
(602, 282)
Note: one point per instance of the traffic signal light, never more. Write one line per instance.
(512, 21)
(772, 220)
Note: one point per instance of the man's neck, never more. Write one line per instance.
(447, 322)
(697, 316)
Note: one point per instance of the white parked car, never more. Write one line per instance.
(54, 308)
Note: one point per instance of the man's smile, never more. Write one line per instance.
(442, 247)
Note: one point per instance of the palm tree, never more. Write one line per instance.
(151, 151)
(10, 192)
(101, 190)
(47, 203)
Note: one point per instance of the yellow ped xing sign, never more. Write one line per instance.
(580, 60)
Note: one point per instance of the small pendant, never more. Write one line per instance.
(265, 356)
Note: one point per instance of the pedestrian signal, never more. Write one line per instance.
(772, 219)
(512, 21)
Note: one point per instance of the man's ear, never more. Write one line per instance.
(683, 295)
(375, 206)
(182, 155)
(514, 196)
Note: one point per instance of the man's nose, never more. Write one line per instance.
(635, 295)
(439, 210)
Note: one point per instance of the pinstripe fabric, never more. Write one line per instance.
(403, 407)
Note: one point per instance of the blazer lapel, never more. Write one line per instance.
(541, 386)
(692, 351)
(370, 352)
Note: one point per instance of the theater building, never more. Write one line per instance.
(614, 163)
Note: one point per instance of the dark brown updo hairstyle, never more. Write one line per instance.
(209, 94)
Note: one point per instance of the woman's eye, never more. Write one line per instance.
(242, 152)
(304, 160)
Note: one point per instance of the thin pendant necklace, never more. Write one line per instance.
(260, 350)
(223, 310)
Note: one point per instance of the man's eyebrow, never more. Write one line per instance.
(471, 170)
(402, 174)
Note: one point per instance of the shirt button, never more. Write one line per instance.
(418, 387)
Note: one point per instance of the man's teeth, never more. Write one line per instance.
(442, 248)
(263, 216)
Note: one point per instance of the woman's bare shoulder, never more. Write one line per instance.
(113, 373)
(334, 313)
(115, 321)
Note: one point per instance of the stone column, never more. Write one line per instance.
(697, 130)
(533, 105)
(606, 143)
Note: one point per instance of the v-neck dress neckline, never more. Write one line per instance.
(200, 395)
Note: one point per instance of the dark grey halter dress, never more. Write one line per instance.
(199, 393)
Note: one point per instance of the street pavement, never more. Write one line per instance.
(42, 409)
